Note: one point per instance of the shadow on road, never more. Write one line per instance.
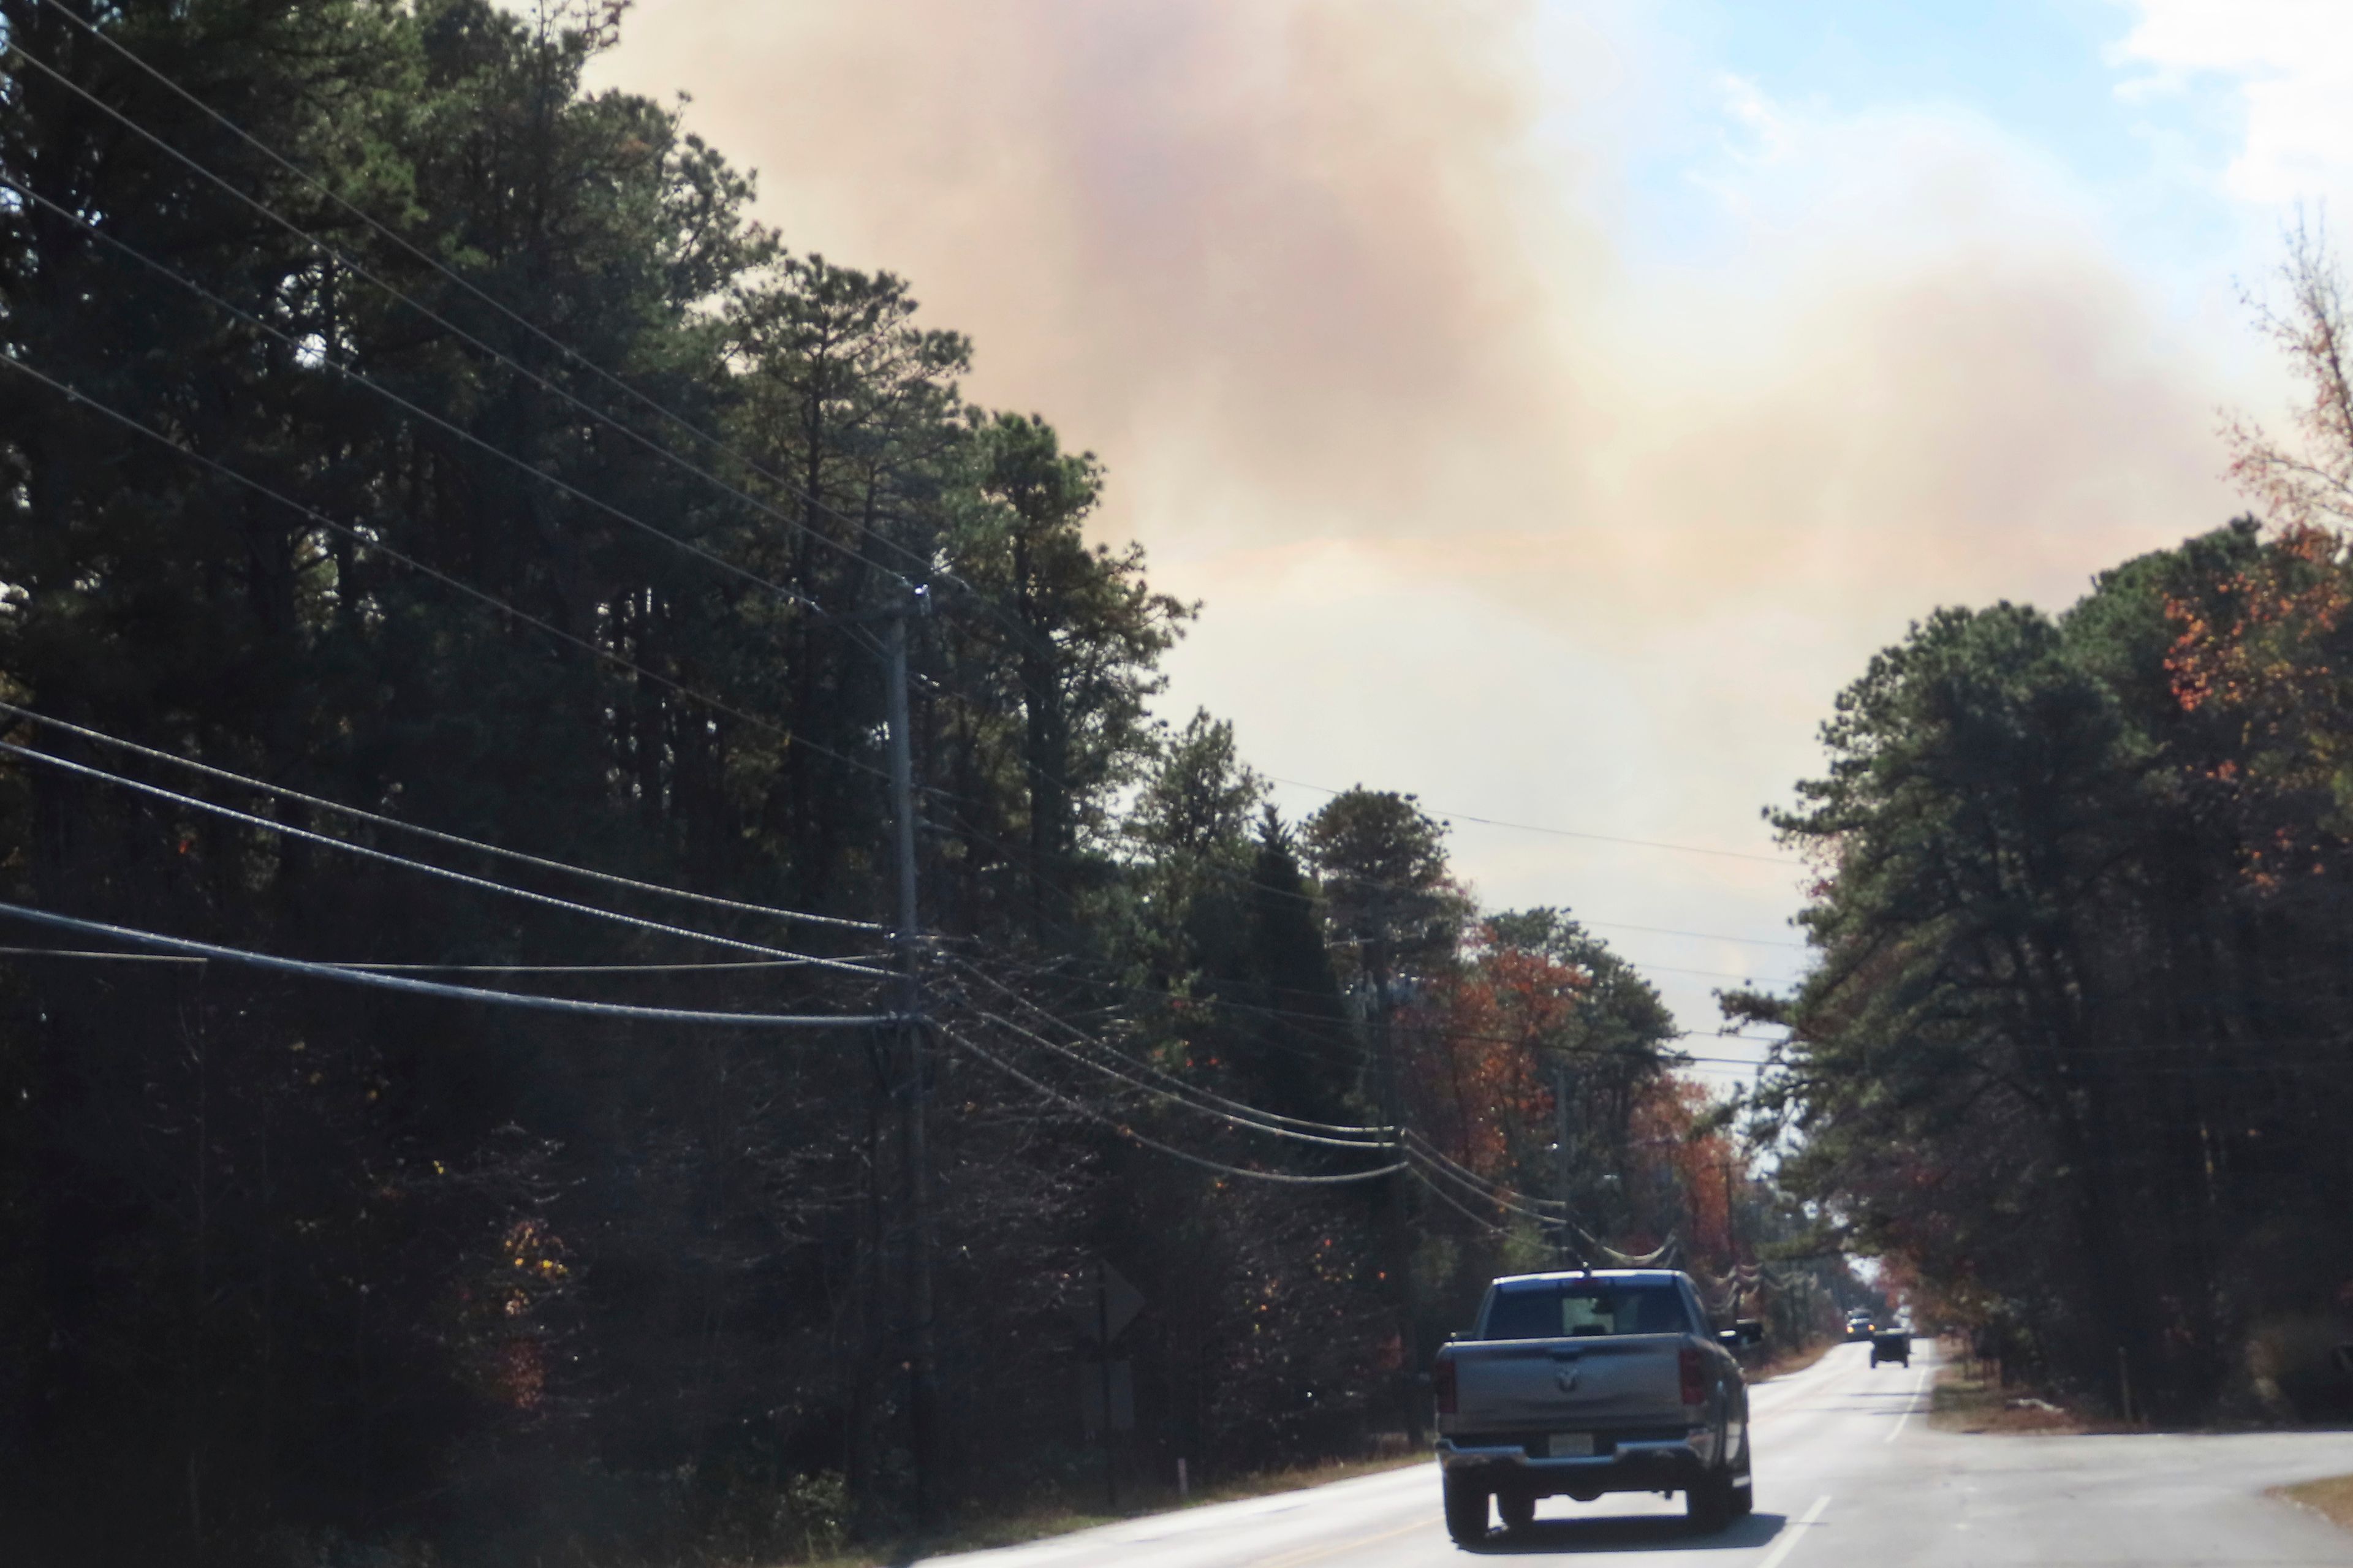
(1630, 1533)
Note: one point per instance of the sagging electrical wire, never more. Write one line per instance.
(916, 559)
(369, 542)
(1568, 833)
(975, 971)
(1230, 1116)
(524, 465)
(519, 999)
(1667, 1060)
(1243, 879)
(1505, 1194)
(1655, 1257)
(318, 802)
(50, 759)
(1413, 1144)
(360, 270)
(1090, 1113)
(1489, 1227)
(1419, 1146)
(760, 965)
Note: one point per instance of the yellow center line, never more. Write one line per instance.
(1314, 1554)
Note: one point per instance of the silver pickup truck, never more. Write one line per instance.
(1591, 1382)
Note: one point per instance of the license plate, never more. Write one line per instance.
(1571, 1446)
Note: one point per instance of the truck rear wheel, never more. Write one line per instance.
(1707, 1502)
(1466, 1509)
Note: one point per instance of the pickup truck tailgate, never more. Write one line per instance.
(1632, 1380)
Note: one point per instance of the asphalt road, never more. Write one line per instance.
(1847, 1473)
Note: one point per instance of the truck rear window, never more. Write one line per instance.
(1551, 1312)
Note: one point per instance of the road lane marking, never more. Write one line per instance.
(1315, 1553)
(1789, 1536)
(1918, 1384)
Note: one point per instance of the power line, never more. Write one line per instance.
(1565, 831)
(85, 953)
(1242, 879)
(814, 501)
(1295, 1015)
(378, 819)
(368, 541)
(1132, 1136)
(1247, 1122)
(436, 988)
(976, 972)
(360, 271)
(1414, 1151)
(720, 967)
(1699, 935)
(1430, 1150)
(524, 465)
(598, 969)
(1422, 1166)
(1489, 1227)
(50, 759)
(1505, 1197)
(1624, 1260)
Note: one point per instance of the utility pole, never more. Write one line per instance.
(1564, 1160)
(1400, 1245)
(1731, 1214)
(922, 1398)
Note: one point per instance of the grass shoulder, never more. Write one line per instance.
(1019, 1527)
(1968, 1399)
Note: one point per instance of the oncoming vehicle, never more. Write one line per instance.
(1891, 1344)
(1574, 1384)
(1859, 1326)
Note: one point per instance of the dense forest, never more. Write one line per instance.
(397, 436)
(2074, 1056)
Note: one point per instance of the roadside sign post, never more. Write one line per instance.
(1110, 1406)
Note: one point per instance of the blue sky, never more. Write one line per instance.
(2048, 79)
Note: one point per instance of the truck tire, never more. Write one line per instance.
(1517, 1510)
(1466, 1509)
(1708, 1502)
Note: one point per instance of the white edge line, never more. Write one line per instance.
(1917, 1384)
(1789, 1536)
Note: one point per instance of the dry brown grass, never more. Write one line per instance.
(2331, 1498)
(1963, 1403)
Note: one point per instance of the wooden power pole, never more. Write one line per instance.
(923, 1393)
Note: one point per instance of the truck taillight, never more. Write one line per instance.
(1442, 1385)
(1694, 1370)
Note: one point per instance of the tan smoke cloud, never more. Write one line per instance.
(1285, 240)
(1483, 504)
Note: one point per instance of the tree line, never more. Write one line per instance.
(2074, 1056)
(391, 420)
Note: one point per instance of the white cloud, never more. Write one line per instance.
(2289, 63)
